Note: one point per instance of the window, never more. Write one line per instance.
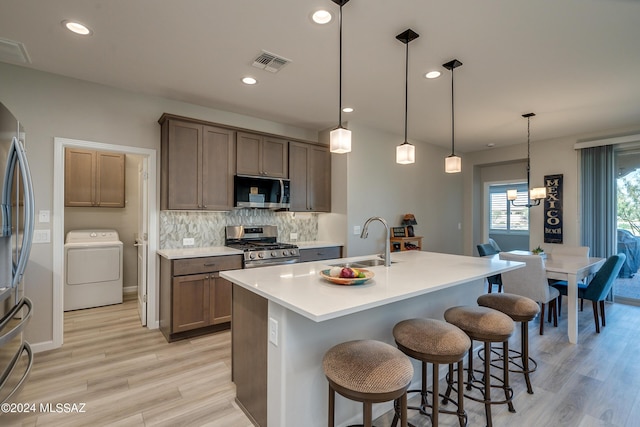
(503, 217)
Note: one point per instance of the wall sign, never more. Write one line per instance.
(553, 209)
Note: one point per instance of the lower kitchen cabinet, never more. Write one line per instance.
(194, 299)
(319, 254)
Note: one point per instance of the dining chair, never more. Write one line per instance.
(598, 288)
(531, 281)
(485, 249)
(566, 250)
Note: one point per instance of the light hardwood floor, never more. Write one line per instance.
(130, 376)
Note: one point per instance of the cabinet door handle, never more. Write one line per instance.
(210, 265)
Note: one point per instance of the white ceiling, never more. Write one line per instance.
(575, 63)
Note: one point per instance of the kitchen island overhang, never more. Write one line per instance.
(302, 316)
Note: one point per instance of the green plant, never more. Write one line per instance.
(537, 250)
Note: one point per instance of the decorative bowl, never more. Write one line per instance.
(348, 281)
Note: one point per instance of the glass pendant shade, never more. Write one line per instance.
(512, 194)
(538, 193)
(453, 164)
(405, 154)
(340, 141)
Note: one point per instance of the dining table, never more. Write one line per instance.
(573, 269)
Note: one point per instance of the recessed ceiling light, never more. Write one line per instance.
(77, 28)
(491, 145)
(433, 74)
(321, 17)
(249, 80)
(347, 110)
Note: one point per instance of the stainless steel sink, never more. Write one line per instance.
(372, 262)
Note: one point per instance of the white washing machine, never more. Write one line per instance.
(93, 269)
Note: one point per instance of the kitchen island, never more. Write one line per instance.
(286, 317)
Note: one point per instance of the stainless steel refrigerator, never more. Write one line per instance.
(16, 233)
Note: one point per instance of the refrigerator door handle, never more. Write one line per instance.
(27, 235)
(20, 326)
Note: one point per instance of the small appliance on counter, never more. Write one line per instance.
(16, 235)
(260, 246)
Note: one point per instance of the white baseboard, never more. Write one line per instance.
(43, 346)
(130, 290)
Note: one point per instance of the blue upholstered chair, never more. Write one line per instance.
(598, 288)
(485, 249)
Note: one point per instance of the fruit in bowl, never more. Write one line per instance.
(346, 273)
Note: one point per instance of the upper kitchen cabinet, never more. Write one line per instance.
(261, 155)
(310, 176)
(93, 178)
(198, 165)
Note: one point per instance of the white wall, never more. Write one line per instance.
(375, 185)
(53, 106)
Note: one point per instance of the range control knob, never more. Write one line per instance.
(274, 254)
(284, 253)
(252, 256)
(292, 252)
(261, 255)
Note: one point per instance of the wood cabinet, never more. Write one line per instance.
(262, 155)
(194, 299)
(94, 178)
(310, 177)
(319, 254)
(399, 244)
(198, 165)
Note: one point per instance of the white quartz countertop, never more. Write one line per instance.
(298, 287)
(197, 252)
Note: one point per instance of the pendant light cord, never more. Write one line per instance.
(452, 117)
(340, 74)
(406, 91)
(528, 160)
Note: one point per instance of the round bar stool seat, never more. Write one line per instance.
(489, 326)
(520, 309)
(367, 371)
(436, 342)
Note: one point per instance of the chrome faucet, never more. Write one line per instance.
(387, 244)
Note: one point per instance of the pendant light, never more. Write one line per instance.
(340, 138)
(453, 163)
(534, 195)
(405, 152)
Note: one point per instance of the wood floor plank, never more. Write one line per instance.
(130, 376)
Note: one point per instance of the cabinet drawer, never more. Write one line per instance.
(185, 266)
(319, 254)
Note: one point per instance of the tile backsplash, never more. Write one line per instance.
(207, 228)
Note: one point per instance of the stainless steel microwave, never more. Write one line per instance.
(261, 192)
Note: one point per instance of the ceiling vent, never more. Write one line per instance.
(270, 62)
(11, 51)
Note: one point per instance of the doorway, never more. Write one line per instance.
(147, 210)
(627, 166)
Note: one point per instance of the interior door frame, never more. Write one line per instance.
(58, 229)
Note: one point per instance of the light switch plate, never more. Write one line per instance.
(188, 241)
(41, 236)
(44, 216)
(293, 236)
(356, 229)
(273, 331)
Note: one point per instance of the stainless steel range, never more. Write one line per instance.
(260, 245)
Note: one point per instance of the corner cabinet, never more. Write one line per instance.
(194, 299)
(198, 165)
(94, 178)
(310, 175)
(261, 155)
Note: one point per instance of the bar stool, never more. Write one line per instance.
(519, 309)
(489, 326)
(436, 342)
(370, 372)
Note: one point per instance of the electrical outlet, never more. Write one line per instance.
(273, 331)
(356, 229)
(293, 236)
(188, 241)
